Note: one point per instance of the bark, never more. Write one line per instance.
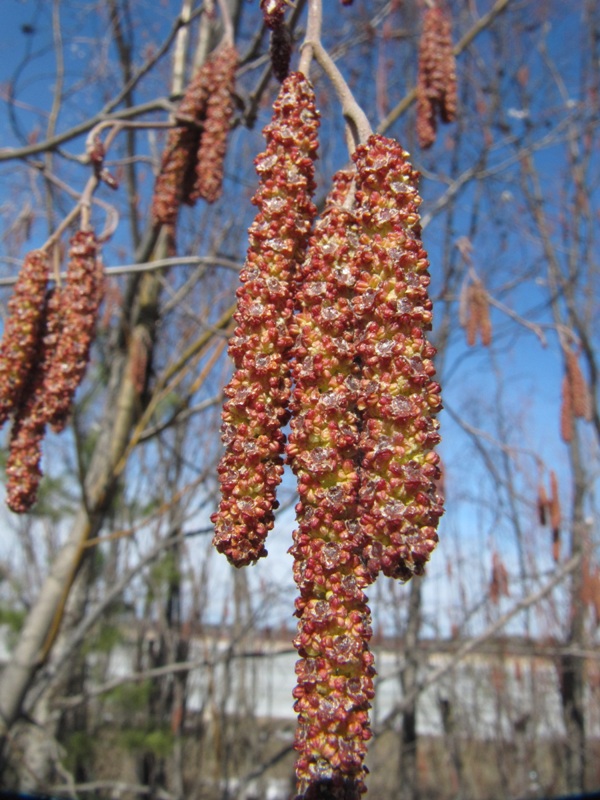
(572, 667)
(408, 777)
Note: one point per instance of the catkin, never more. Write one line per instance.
(335, 673)
(399, 400)
(208, 184)
(20, 340)
(23, 471)
(258, 394)
(79, 300)
(436, 80)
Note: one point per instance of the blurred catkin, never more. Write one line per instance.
(20, 341)
(436, 79)
(23, 471)
(213, 141)
(177, 175)
(79, 300)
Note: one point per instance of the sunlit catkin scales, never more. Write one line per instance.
(399, 505)
(335, 674)
(22, 330)
(258, 394)
(80, 299)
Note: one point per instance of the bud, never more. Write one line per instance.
(478, 315)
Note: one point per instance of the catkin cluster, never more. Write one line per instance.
(436, 79)
(192, 161)
(43, 357)
(333, 339)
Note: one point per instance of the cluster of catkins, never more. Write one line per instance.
(436, 79)
(192, 162)
(331, 336)
(43, 357)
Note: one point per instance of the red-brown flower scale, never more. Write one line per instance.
(399, 399)
(335, 674)
(436, 82)
(258, 394)
(20, 340)
(23, 470)
(175, 181)
(213, 142)
(80, 299)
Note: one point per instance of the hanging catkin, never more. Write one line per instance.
(258, 394)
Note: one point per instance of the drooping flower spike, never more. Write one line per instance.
(177, 175)
(213, 142)
(22, 330)
(258, 394)
(79, 301)
(335, 673)
(436, 79)
(23, 471)
(399, 399)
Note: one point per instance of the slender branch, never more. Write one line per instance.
(491, 630)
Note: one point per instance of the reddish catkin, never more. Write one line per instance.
(566, 409)
(478, 320)
(335, 673)
(23, 470)
(213, 141)
(580, 393)
(80, 300)
(258, 394)
(436, 79)
(399, 400)
(20, 340)
(177, 175)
